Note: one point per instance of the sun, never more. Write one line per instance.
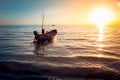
(101, 16)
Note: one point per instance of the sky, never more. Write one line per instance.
(13, 12)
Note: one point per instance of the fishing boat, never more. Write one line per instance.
(53, 25)
(46, 36)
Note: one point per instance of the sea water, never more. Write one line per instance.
(79, 52)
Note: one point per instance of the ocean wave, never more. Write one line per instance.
(115, 65)
(75, 39)
(58, 66)
(107, 52)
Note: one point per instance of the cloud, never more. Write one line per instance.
(53, 11)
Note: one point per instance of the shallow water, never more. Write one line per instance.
(79, 52)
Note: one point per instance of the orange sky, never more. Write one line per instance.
(56, 11)
(78, 11)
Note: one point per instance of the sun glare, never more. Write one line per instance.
(101, 16)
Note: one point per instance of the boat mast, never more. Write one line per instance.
(42, 21)
(43, 30)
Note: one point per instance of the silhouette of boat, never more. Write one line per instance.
(53, 25)
(46, 37)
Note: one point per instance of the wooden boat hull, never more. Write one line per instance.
(47, 37)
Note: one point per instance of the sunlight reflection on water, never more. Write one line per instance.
(101, 32)
(101, 37)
